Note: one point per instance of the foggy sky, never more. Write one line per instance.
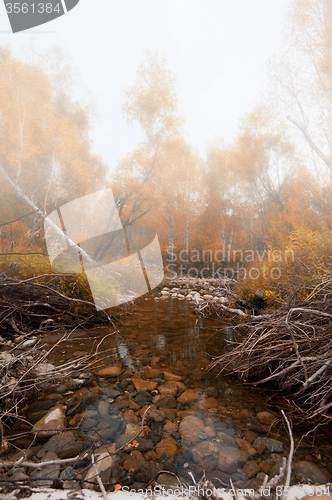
(217, 49)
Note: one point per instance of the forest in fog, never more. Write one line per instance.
(262, 201)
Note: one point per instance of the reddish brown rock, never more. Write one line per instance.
(151, 372)
(144, 385)
(206, 404)
(133, 461)
(251, 468)
(172, 376)
(110, 371)
(168, 389)
(189, 395)
(265, 417)
(168, 446)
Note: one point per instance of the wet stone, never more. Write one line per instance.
(20, 476)
(41, 406)
(211, 392)
(107, 433)
(75, 383)
(190, 427)
(123, 440)
(225, 439)
(265, 417)
(250, 436)
(168, 480)
(65, 445)
(170, 427)
(144, 385)
(168, 446)
(206, 404)
(230, 459)
(68, 473)
(133, 405)
(112, 393)
(251, 468)
(151, 372)
(70, 484)
(166, 402)
(79, 400)
(170, 414)
(143, 398)
(110, 371)
(104, 463)
(103, 425)
(120, 405)
(209, 431)
(202, 435)
(206, 454)
(266, 466)
(89, 423)
(52, 423)
(245, 446)
(133, 461)
(115, 423)
(168, 389)
(308, 472)
(172, 376)
(271, 445)
(104, 408)
(189, 396)
(156, 415)
(46, 475)
(148, 471)
(218, 478)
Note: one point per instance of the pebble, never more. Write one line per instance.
(308, 472)
(110, 371)
(271, 445)
(133, 461)
(168, 446)
(189, 395)
(190, 427)
(104, 408)
(265, 417)
(52, 423)
(209, 431)
(230, 459)
(144, 385)
(251, 468)
(156, 415)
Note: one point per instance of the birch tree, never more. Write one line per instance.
(303, 77)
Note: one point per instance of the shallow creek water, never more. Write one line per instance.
(167, 336)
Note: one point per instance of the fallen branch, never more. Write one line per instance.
(100, 483)
(290, 457)
(40, 465)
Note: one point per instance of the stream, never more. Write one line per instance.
(199, 423)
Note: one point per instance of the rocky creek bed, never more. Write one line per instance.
(186, 429)
(157, 421)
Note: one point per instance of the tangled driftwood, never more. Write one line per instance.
(29, 306)
(291, 349)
